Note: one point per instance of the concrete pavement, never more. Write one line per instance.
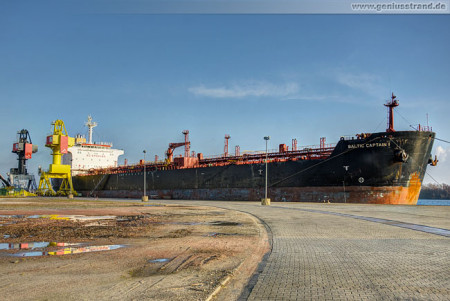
(335, 252)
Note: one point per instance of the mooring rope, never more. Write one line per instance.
(326, 160)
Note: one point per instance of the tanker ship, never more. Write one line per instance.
(88, 155)
(379, 168)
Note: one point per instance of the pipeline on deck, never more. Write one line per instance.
(283, 154)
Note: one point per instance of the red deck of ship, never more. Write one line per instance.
(308, 153)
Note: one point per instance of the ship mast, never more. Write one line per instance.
(391, 104)
(90, 124)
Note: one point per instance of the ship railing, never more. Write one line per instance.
(147, 163)
(80, 172)
(103, 143)
(424, 128)
(306, 148)
(243, 153)
(305, 153)
(347, 137)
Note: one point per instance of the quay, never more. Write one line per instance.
(223, 250)
(350, 251)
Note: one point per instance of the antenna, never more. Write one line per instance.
(90, 124)
(186, 143)
(225, 149)
(391, 105)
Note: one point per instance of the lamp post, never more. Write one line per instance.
(343, 182)
(266, 201)
(145, 197)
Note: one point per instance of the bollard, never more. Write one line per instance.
(265, 202)
(145, 198)
(70, 196)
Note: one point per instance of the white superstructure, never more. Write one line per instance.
(92, 155)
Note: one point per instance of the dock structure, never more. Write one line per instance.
(350, 252)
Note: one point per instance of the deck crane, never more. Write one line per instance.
(172, 147)
(59, 142)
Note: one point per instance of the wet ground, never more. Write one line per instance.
(54, 248)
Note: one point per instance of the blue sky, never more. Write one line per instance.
(146, 77)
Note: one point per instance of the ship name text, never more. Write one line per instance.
(369, 145)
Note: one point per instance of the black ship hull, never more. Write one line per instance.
(383, 168)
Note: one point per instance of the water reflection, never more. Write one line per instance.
(71, 248)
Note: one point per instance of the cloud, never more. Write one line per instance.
(440, 172)
(442, 153)
(368, 83)
(247, 89)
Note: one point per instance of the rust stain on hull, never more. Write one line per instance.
(397, 195)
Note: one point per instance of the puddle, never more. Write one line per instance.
(223, 223)
(65, 244)
(190, 223)
(62, 217)
(215, 223)
(13, 216)
(34, 216)
(181, 223)
(74, 217)
(212, 234)
(215, 234)
(89, 218)
(68, 251)
(21, 246)
(159, 260)
(70, 248)
(29, 254)
(35, 245)
(129, 218)
(86, 249)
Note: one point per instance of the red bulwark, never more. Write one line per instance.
(184, 162)
(64, 144)
(28, 150)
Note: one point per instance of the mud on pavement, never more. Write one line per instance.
(54, 248)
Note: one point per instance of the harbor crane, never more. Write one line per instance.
(24, 149)
(59, 142)
(19, 182)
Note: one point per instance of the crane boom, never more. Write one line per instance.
(6, 182)
(172, 147)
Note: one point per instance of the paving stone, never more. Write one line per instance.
(318, 256)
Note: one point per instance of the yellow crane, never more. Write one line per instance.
(59, 142)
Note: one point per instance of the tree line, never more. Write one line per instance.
(435, 192)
